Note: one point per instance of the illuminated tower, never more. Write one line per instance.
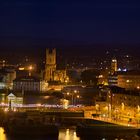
(50, 67)
(113, 66)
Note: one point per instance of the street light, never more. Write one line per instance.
(110, 96)
(78, 96)
(122, 107)
(30, 69)
(68, 93)
(73, 96)
(75, 91)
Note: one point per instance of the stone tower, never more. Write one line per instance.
(50, 67)
(113, 66)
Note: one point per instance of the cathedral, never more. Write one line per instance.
(51, 71)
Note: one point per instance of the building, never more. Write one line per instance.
(15, 99)
(113, 66)
(103, 77)
(119, 104)
(7, 75)
(29, 83)
(125, 103)
(3, 95)
(125, 79)
(50, 64)
(52, 73)
(129, 79)
(113, 80)
(112, 76)
(60, 75)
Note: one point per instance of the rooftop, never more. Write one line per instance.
(28, 78)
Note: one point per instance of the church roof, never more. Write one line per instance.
(28, 78)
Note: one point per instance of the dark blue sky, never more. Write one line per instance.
(35, 23)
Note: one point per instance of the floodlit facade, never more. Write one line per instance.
(120, 104)
(14, 99)
(29, 83)
(51, 71)
(129, 81)
(50, 64)
(6, 78)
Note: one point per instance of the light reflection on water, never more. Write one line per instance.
(2, 135)
(64, 134)
(68, 135)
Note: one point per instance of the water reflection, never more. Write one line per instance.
(64, 134)
(68, 134)
(2, 135)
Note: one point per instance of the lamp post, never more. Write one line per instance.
(110, 104)
(122, 110)
(137, 116)
(74, 96)
(77, 97)
(30, 69)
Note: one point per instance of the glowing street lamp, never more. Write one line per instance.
(78, 96)
(68, 93)
(73, 95)
(75, 91)
(122, 107)
(30, 69)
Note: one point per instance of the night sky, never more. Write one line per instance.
(26, 23)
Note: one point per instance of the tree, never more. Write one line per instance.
(90, 76)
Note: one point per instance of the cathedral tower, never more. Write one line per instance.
(50, 67)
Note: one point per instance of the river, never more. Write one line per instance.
(64, 134)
